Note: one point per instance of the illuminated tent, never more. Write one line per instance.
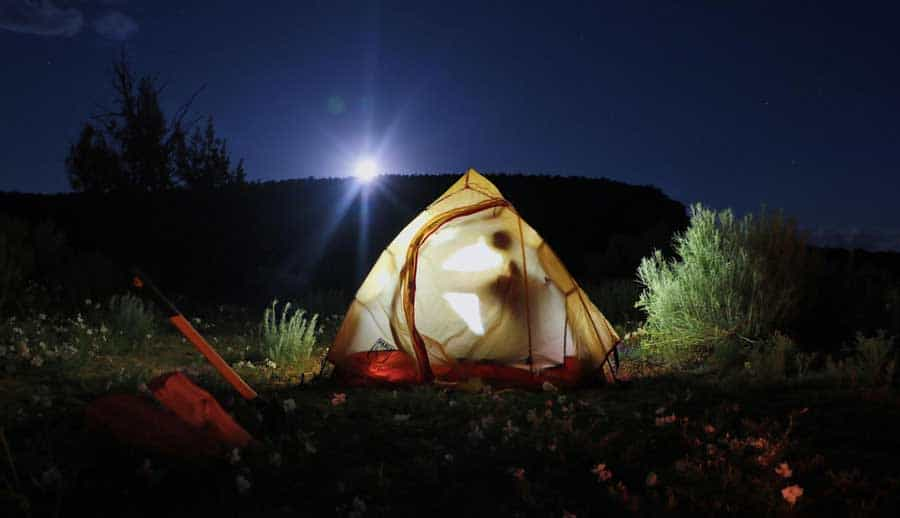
(468, 289)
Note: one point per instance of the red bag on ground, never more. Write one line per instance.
(198, 408)
(191, 424)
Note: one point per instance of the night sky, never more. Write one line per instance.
(735, 104)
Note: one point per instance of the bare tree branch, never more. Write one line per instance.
(182, 112)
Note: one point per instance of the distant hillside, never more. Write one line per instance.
(282, 238)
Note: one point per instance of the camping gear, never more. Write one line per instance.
(141, 282)
(469, 290)
(190, 422)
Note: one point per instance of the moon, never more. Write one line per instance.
(366, 170)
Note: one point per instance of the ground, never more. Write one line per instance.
(654, 443)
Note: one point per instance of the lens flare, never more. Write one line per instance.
(366, 170)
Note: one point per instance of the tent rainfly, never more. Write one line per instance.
(469, 290)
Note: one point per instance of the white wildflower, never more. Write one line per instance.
(359, 507)
(234, 456)
(51, 476)
(242, 484)
(509, 429)
(475, 432)
(146, 468)
(275, 459)
(289, 405)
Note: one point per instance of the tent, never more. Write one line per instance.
(468, 289)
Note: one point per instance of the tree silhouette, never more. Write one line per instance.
(133, 147)
(205, 163)
(93, 165)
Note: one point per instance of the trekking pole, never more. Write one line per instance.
(141, 282)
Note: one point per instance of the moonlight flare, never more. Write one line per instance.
(366, 170)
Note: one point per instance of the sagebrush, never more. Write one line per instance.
(288, 336)
(733, 280)
(132, 321)
(870, 361)
(772, 360)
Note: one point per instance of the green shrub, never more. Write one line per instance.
(288, 337)
(804, 363)
(734, 282)
(868, 362)
(772, 360)
(873, 361)
(131, 321)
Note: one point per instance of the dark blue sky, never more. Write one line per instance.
(734, 104)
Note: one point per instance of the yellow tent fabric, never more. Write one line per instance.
(469, 281)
